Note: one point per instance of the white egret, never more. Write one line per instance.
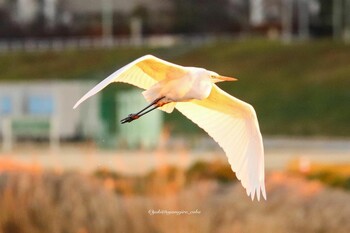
(231, 122)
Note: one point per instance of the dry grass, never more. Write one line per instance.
(334, 175)
(166, 180)
(294, 205)
(71, 202)
(49, 202)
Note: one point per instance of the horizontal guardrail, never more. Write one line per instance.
(59, 44)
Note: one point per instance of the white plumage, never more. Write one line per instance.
(231, 122)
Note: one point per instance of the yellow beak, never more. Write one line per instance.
(225, 78)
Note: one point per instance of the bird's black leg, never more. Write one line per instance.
(142, 112)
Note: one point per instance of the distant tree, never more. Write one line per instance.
(121, 25)
(4, 21)
(321, 25)
(326, 12)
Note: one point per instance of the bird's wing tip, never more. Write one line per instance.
(263, 191)
(258, 192)
(77, 104)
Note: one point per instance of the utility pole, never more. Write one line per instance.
(136, 30)
(107, 22)
(303, 19)
(287, 20)
(256, 12)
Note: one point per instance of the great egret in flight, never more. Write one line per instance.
(231, 122)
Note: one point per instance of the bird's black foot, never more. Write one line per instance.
(155, 104)
(129, 118)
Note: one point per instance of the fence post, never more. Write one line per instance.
(54, 134)
(7, 137)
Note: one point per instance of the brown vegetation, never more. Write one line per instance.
(54, 203)
(74, 203)
(334, 175)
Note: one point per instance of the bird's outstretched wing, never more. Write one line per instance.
(143, 73)
(233, 124)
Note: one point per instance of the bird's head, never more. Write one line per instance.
(215, 77)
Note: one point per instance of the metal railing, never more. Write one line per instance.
(60, 44)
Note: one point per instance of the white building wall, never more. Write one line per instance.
(70, 122)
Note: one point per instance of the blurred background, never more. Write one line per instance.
(80, 171)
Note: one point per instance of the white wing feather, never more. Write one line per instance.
(233, 124)
(143, 73)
